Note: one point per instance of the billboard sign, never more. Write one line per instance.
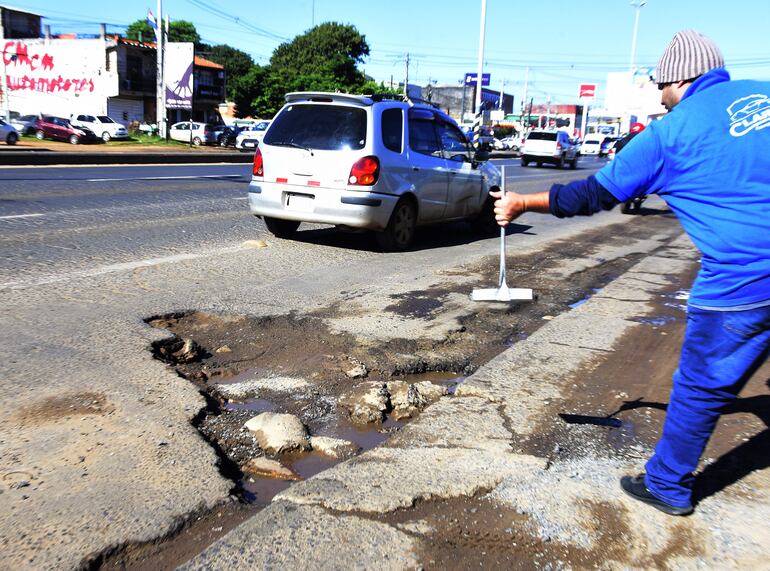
(179, 75)
(470, 78)
(587, 91)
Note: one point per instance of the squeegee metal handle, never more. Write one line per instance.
(501, 280)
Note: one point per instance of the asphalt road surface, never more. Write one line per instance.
(57, 222)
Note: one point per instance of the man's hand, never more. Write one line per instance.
(508, 207)
(513, 205)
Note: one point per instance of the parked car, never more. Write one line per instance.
(250, 136)
(25, 124)
(591, 145)
(49, 127)
(104, 127)
(553, 147)
(605, 145)
(511, 143)
(8, 133)
(368, 163)
(200, 134)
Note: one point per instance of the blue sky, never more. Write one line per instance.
(563, 42)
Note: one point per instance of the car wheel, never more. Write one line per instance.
(106, 137)
(524, 162)
(281, 228)
(573, 163)
(484, 222)
(399, 233)
(196, 142)
(12, 138)
(539, 164)
(74, 140)
(40, 135)
(562, 163)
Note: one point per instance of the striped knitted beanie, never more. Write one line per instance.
(689, 55)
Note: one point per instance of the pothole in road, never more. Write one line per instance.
(295, 364)
(360, 390)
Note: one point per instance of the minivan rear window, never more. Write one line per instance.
(541, 136)
(321, 127)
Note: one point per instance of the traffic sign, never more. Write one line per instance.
(587, 91)
(470, 78)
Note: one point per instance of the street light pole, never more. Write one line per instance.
(638, 5)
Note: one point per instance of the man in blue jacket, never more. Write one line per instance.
(708, 159)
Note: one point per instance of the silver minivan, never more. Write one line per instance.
(368, 163)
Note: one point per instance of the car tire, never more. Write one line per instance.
(12, 138)
(281, 228)
(573, 163)
(39, 135)
(106, 137)
(399, 233)
(562, 163)
(524, 162)
(196, 142)
(539, 164)
(484, 222)
(74, 140)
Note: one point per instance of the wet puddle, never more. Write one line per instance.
(261, 490)
(580, 302)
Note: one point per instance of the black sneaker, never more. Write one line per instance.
(634, 486)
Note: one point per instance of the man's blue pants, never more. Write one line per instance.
(720, 353)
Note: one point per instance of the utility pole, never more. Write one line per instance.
(159, 95)
(638, 5)
(479, 73)
(406, 79)
(4, 86)
(526, 85)
(502, 95)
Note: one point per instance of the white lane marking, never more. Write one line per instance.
(240, 198)
(180, 177)
(20, 216)
(112, 268)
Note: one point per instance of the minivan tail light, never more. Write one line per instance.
(365, 171)
(259, 167)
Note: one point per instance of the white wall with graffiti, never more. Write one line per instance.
(58, 77)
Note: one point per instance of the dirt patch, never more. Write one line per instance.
(167, 554)
(61, 407)
(472, 533)
(618, 407)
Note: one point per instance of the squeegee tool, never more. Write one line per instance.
(502, 293)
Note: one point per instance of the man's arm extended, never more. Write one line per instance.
(578, 198)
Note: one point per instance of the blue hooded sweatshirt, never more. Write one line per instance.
(709, 159)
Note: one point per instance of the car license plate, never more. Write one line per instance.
(249, 144)
(300, 202)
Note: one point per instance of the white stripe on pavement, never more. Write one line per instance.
(117, 268)
(20, 216)
(181, 177)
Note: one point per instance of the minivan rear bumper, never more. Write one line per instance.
(362, 209)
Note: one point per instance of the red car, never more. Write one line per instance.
(49, 127)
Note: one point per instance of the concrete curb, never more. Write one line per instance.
(43, 158)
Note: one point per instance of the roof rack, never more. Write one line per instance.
(401, 97)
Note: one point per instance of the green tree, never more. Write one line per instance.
(322, 59)
(237, 64)
(247, 89)
(178, 31)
